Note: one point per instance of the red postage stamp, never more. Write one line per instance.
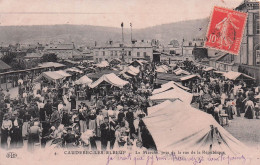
(225, 30)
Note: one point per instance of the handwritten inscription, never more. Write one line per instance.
(172, 157)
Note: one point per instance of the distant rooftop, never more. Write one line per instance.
(129, 45)
(60, 46)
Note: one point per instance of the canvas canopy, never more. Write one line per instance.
(63, 73)
(180, 71)
(219, 72)
(83, 80)
(132, 70)
(51, 76)
(111, 79)
(126, 76)
(231, 75)
(158, 107)
(208, 69)
(116, 60)
(103, 64)
(51, 64)
(188, 77)
(176, 84)
(162, 69)
(173, 94)
(185, 128)
(74, 70)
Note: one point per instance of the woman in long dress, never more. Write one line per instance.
(92, 120)
(100, 120)
(249, 112)
(82, 121)
(5, 129)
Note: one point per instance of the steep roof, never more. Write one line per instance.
(4, 66)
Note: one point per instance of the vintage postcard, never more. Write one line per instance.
(138, 82)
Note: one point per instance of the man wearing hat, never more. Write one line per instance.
(105, 133)
(55, 118)
(120, 115)
(130, 120)
(48, 108)
(16, 132)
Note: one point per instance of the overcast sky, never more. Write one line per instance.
(142, 13)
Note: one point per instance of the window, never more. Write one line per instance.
(138, 54)
(129, 53)
(144, 54)
(258, 56)
(96, 53)
(190, 43)
(257, 24)
(111, 53)
(104, 53)
(115, 53)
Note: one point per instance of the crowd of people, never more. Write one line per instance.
(48, 115)
(222, 97)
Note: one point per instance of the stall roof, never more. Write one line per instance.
(186, 128)
(83, 80)
(74, 70)
(132, 70)
(4, 66)
(111, 79)
(172, 95)
(237, 75)
(51, 76)
(175, 83)
(51, 64)
(188, 77)
(158, 107)
(219, 72)
(63, 73)
(180, 71)
(101, 73)
(168, 77)
(208, 69)
(103, 64)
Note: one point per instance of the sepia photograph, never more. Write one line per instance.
(135, 82)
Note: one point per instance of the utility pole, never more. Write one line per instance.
(122, 26)
(131, 31)
(182, 49)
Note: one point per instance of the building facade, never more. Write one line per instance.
(125, 52)
(249, 56)
(63, 51)
(248, 60)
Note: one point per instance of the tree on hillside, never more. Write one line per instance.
(50, 57)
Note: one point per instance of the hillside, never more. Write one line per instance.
(86, 34)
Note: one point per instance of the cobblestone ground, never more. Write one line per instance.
(246, 130)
